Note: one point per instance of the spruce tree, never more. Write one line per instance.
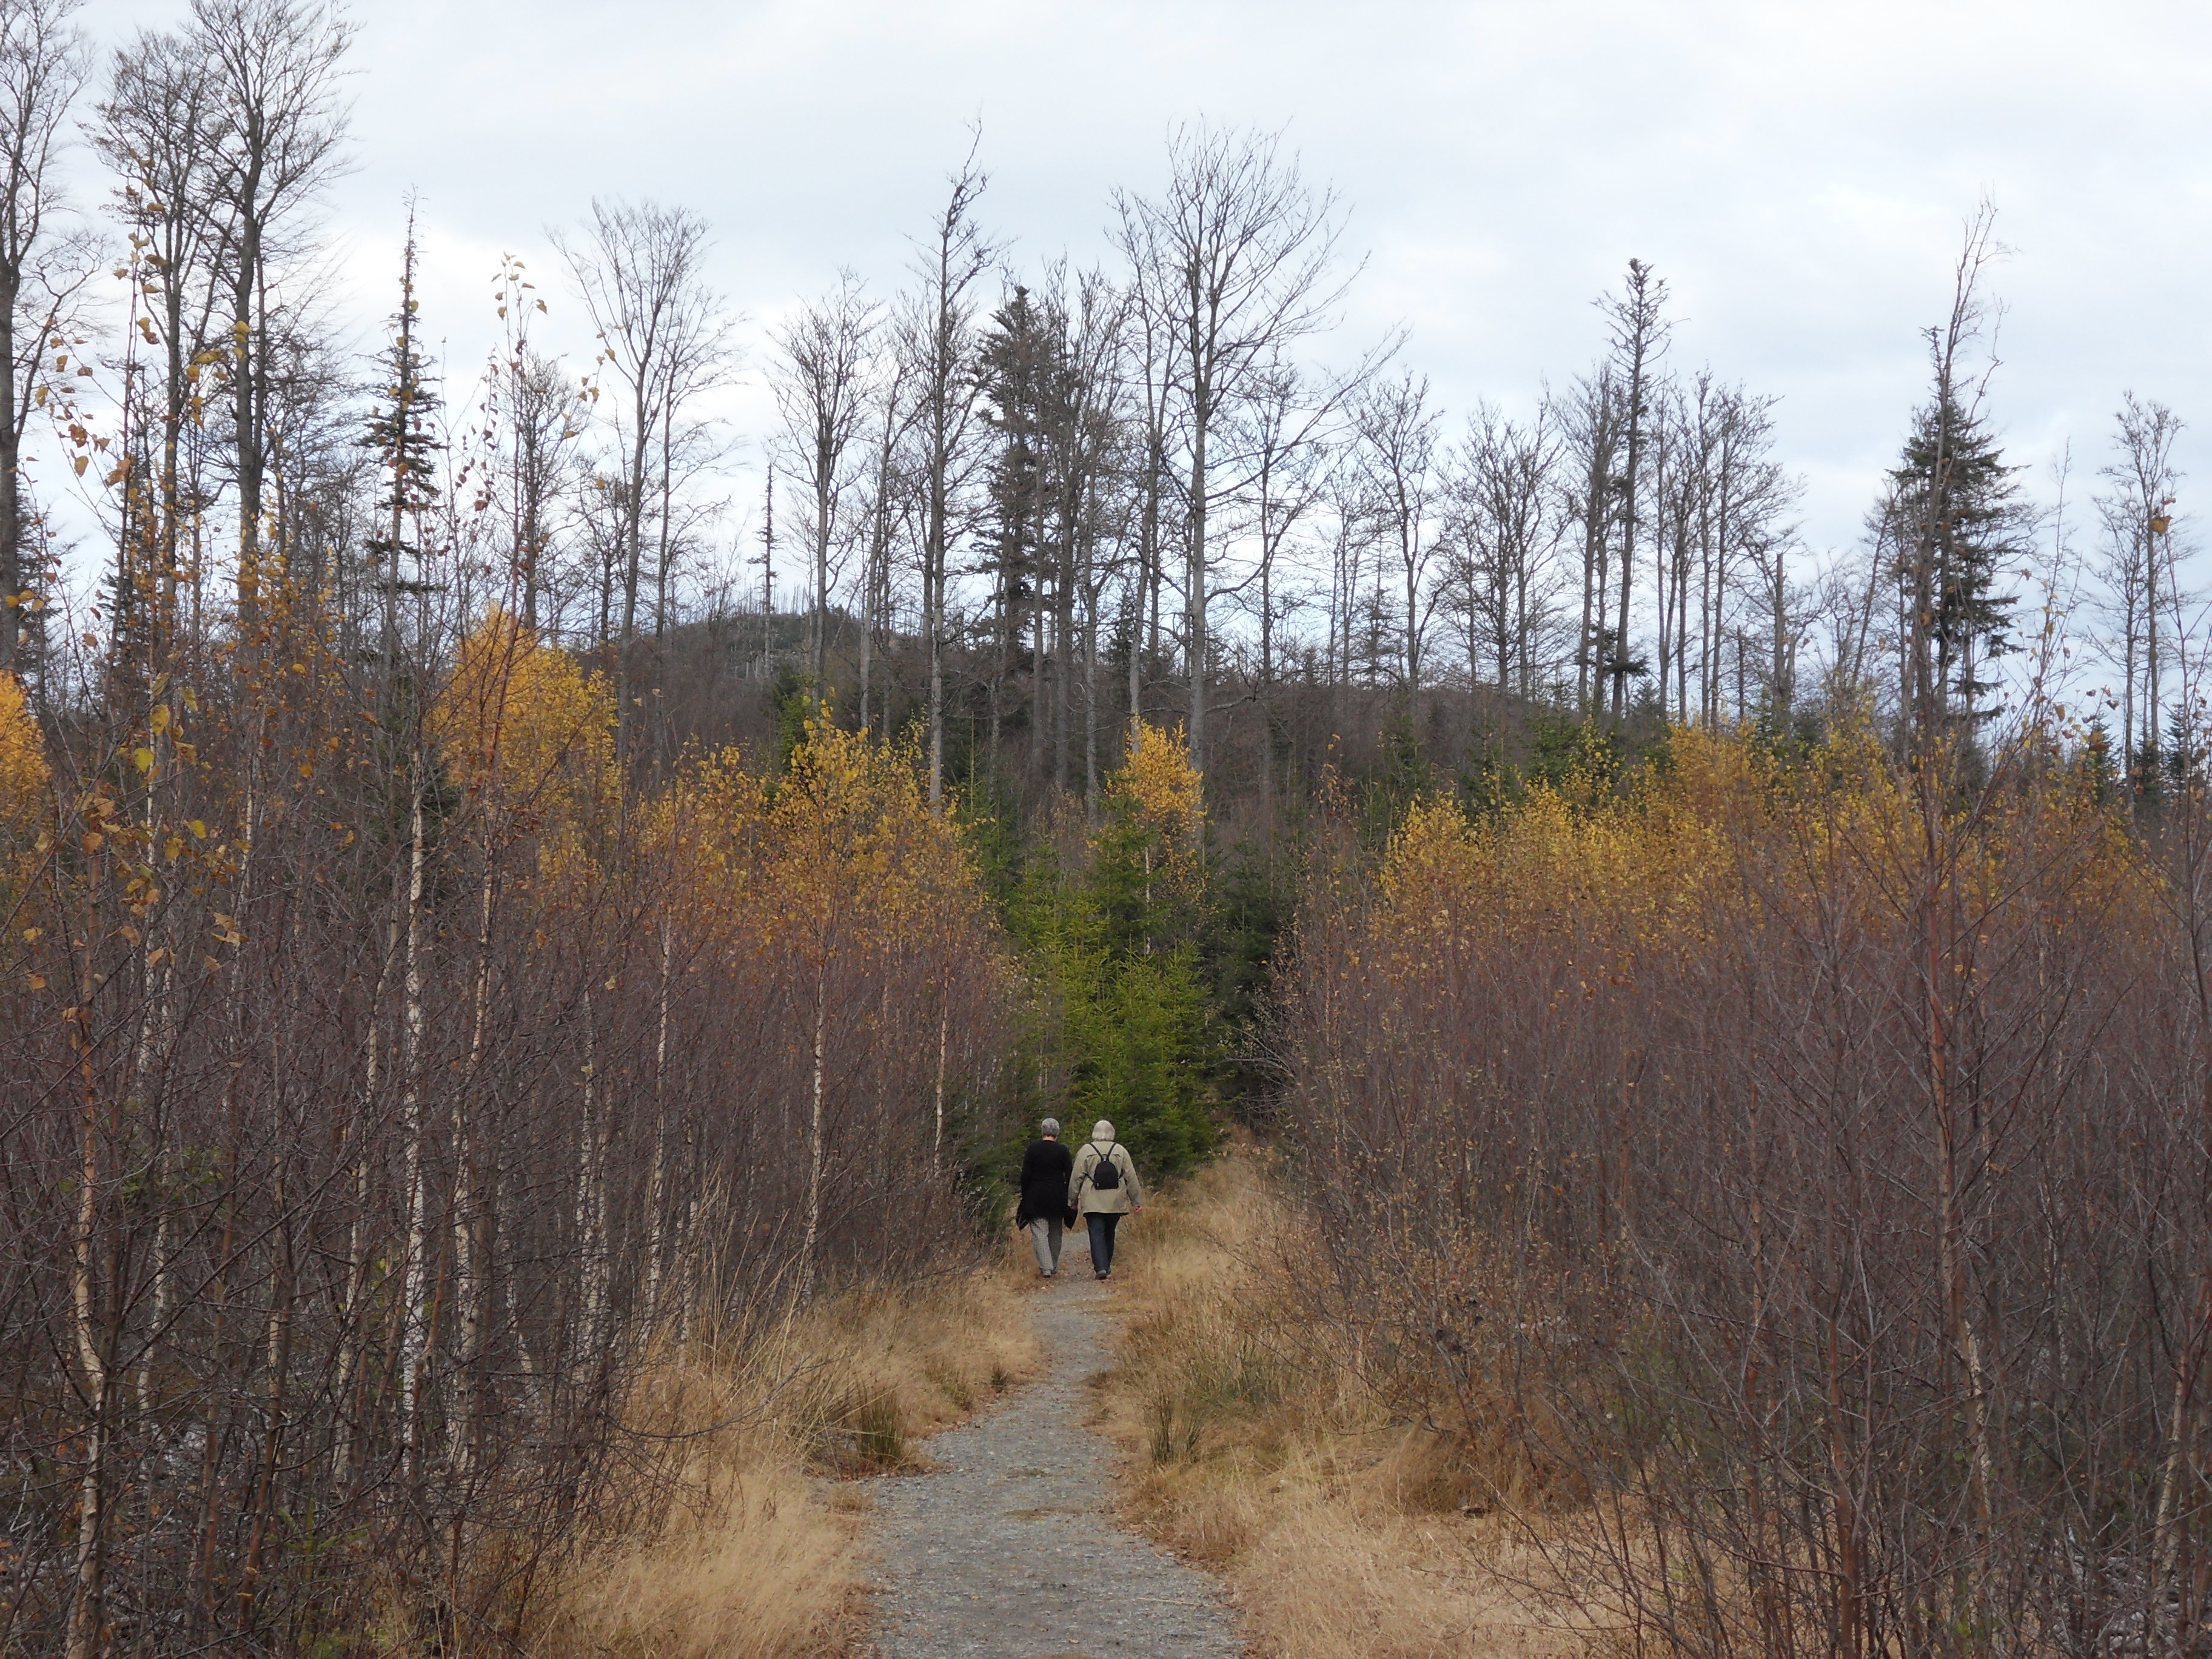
(1959, 521)
(1015, 358)
(403, 435)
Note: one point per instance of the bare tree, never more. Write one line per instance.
(534, 415)
(157, 130)
(1283, 434)
(1504, 521)
(1593, 425)
(1236, 258)
(280, 124)
(938, 342)
(2135, 512)
(543, 422)
(640, 269)
(820, 381)
(1087, 429)
(1753, 498)
(1147, 368)
(890, 414)
(1093, 464)
(42, 65)
(1397, 462)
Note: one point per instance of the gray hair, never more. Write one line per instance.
(1101, 1130)
(1051, 1126)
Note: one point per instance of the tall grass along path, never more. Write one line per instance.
(1007, 1551)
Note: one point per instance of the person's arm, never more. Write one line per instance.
(1075, 1178)
(1136, 1187)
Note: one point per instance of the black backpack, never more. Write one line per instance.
(1105, 1174)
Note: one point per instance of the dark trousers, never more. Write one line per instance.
(1102, 1241)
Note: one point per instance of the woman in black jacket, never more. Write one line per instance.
(1046, 1168)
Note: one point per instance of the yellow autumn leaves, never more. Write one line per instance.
(843, 841)
(24, 774)
(1722, 832)
(841, 847)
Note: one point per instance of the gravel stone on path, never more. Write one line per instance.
(1007, 1550)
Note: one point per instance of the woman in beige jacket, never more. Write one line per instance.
(1104, 1188)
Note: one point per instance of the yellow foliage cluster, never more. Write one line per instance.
(1163, 788)
(1156, 812)
(24, 774)
(528, 733)
(1720, 833)
(843, 843)
(1638, 867)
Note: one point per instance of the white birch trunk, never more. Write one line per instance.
(413, 1335)
(590, 1196)
(656, 1182)
(943, 1028)
(469, 1285)
(814, 1149)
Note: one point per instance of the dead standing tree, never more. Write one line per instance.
(42, 65)
(157, 130)
(938, 342)
(889, 413)
(1237, 260)
(2135, 512)
(1398, 477)
(1504, 525)
(821, 384)
(639, 269)
(280, 126)
(1593, 427)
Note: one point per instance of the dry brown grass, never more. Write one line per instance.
(760, 1554)
(1345, 1534)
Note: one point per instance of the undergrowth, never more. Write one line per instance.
(758, 1553)
(1348, 1526)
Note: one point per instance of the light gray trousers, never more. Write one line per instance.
(1044, 1239)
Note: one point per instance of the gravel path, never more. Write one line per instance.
(1006, 1550)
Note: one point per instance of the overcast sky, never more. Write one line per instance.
(1797, 173)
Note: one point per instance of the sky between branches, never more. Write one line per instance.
(1797, 173)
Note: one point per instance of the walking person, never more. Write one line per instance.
(1047, 1168)
(1103, 1187)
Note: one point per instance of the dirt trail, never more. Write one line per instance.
(1007, 1551)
